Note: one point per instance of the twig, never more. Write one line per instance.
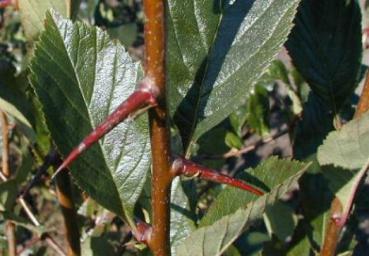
(5, 148)
(340, 213)
(155, 69)
(50, 159)
(363, 105)
(187, 168)
(247, 149)
(9, 225)
(50, 241)
(65, 198)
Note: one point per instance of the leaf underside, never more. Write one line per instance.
(348, 147)
(216, 53)
(81, 76)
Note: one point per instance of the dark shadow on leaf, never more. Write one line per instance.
(181, 210)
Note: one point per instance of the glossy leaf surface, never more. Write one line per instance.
(81, 76)
(216, 53)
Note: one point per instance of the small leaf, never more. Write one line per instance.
(325, 45)
(8, 195)
(33, 14)
(233, 141)
(215, 239)
(258, 110)
(348, 147)
(216, 53)
(269, 173)
(86, 78)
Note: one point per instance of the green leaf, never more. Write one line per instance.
(325, 46)
(215, 239)
(269, 173)
(33, 14)
(216, 53)
(258, 110)
(348, 147)
(315, 125)
(8, 194)
(280, 221)
(181, 223)
(81, 76)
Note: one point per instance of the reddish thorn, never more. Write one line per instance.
(143, 232)
(144, 96)
(185, 167)
(5, 3)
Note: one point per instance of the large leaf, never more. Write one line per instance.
(33, 14)
(215, 239)
(81, 76)
(269, 173)
(325, 45)
(348, 147)
(216, 53)
(316, 123)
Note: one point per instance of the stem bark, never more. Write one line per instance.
(9, 226)
(159, 129)
(65, 198)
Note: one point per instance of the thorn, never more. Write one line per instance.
(188, 168)
(145, 96)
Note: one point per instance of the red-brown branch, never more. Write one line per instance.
(188, 168)
(9, 226)
(155, 69)
(143, 97)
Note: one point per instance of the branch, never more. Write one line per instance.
(187, 168)
(65, 198)
(155, 69)
(5, 148)
(238, 153)
(340, 213)
(9, 226)
(145, 96)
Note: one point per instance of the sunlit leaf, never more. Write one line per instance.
(81, 76)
